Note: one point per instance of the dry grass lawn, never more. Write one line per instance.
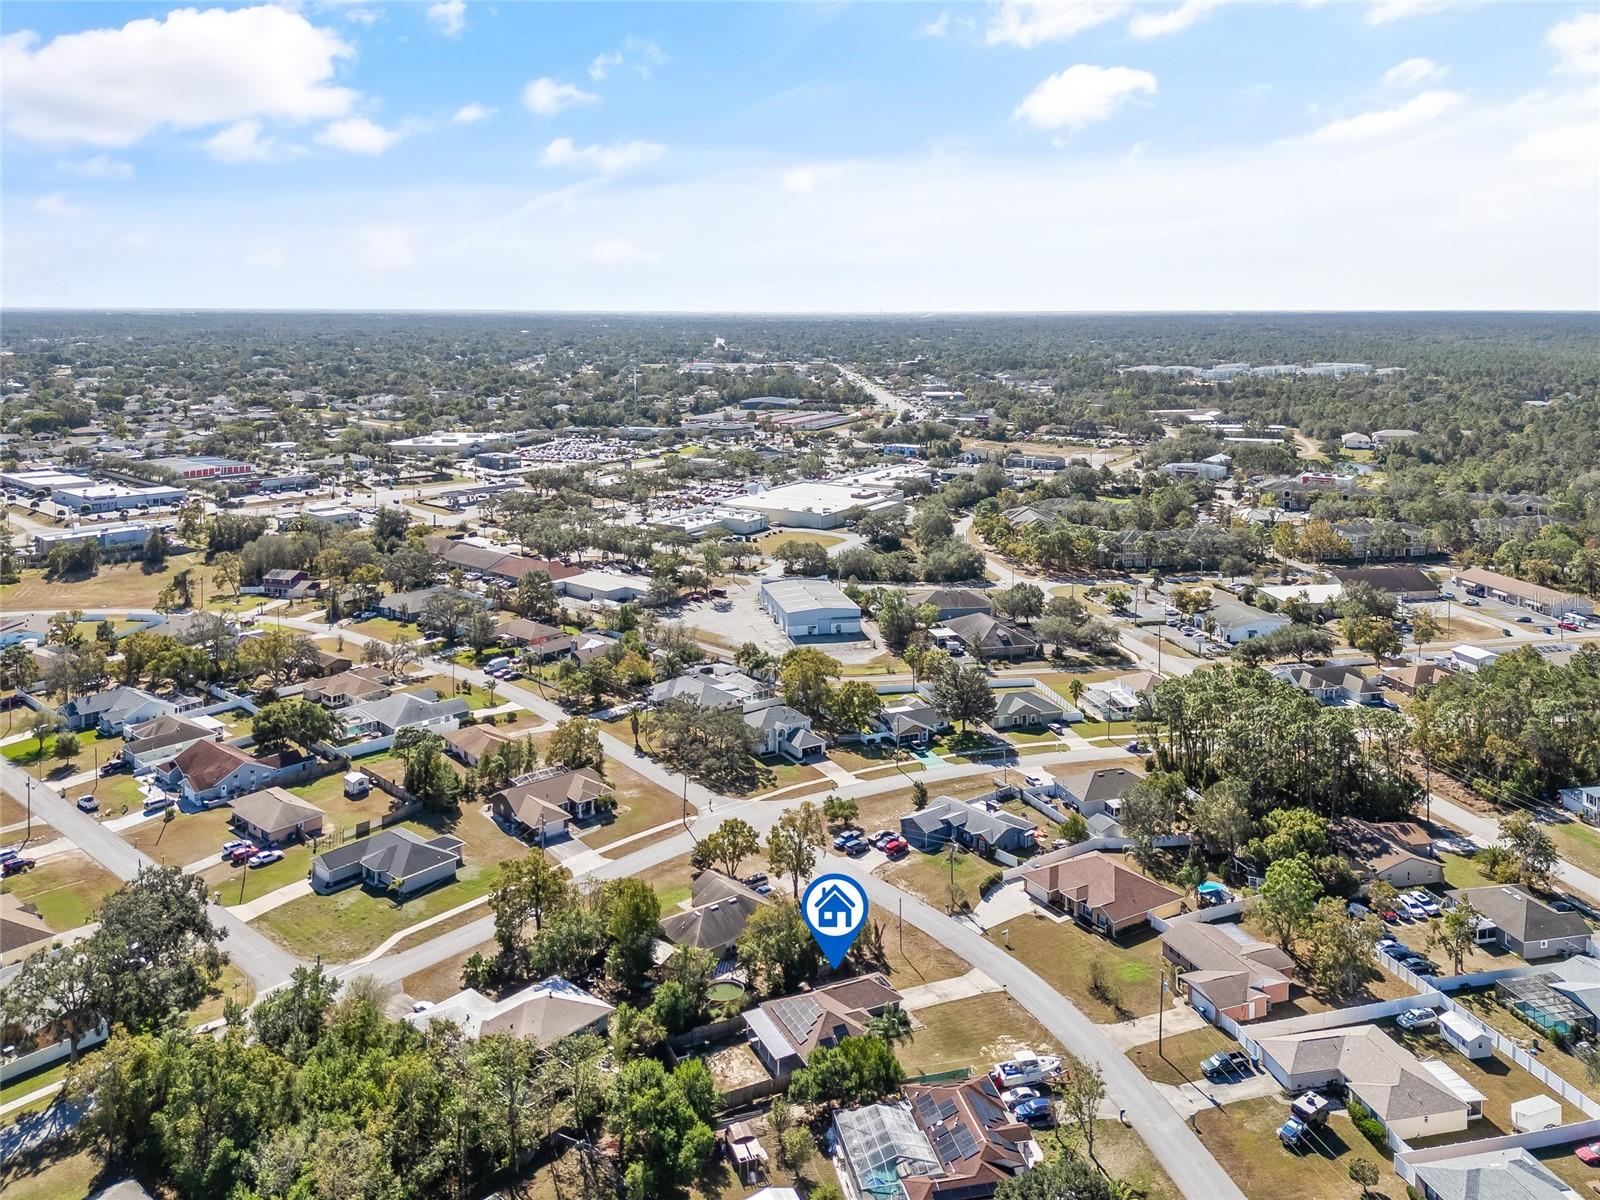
(976, 1032)
(443, 979)
(65, 890)
(641, 804)
(1243, 1138)
(118, 587)
(1065, 957)
(187, 838)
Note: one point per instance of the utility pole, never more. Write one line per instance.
(1161, 1011)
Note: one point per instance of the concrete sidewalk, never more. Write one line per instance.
(942, 991)
(252, 909)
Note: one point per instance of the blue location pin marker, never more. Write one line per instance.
(835, 910)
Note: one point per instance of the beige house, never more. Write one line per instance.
(1099, 892)
(274, 815)
(1398, 852)
(545, 1012)
(1227, 971)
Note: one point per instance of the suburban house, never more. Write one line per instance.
(953, 1141)
(990, 637)
(1097, 891)
(355, 686)
(1235, 621)
(1398, 852)
(332, 662)
(274, 815)
(282, 582)
(162, 739)
(1225, 971)
(907, 720)
(1017, 708)
(1356, 441)
(811, 608)
(781, 730)
(1122, 698)
(394, 861)
(1407, 679)
(408, 606)
(1585, 801)
(539, 805)
(1414, 1099)
(20, 926)
(1098, 790)
(949, 603)
(1507, 1174)
(542, 641)
(784, 1032)
(469, 744)
(110, 711)
(210, 772)
(403, 710)
(718, 909)
(713, 685)
(970, 824)
(1525, 926)
(543, 1012)
(1334, 685)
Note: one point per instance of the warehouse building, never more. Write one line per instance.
(203, 466)
(89, 497)
(818, 505)
(811, 608)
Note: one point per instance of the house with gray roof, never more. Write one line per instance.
(719, 908)
(784, 1032)
(393, 861)
(1030, 709)
(976, 826)
(951, 602)
(403, 710)
(908, 721)
(109, 711)
(987, 637)
(1508, 1174)
(784, 731)
(1525, 926)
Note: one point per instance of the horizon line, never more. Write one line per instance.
(779, 312)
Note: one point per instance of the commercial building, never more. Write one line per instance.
(1552, 602)
(699, 522)
(123, 540)
(460, 443)
(203, 467)
(41, 481)
(812, 505)
(810, 608)
(114, 497)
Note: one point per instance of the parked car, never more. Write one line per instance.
(755, 880)
(233, 844)
(1012, 1097)
(1357, 911)
(240, 854)
(850, 842)
(1417, 1018)
(1582, 905)
(88, 804)
(1226, 1063)
(266, 858)
(1391, 947)
(894, 844)
(1039, 1112)
(1294, 1134)
(15, 866)
(115, 765)
(7, 853)
(1425, 901)
(1418, 965)
(1589, 1155)
(1388, 916)
(1524, 619)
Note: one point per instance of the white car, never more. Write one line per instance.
(1012, 1097)
(1417, 1018)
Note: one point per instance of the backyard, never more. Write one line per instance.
(1072, 960)
(65, 890)
(976, 1033)
(1483, 1005)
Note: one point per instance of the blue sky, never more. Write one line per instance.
(1195, 154)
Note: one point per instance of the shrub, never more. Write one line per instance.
(1371, 1128)
(991, 880)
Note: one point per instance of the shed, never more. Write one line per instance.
(1535, 1112)
(1466, 1035)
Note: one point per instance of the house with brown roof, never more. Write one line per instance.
(469, 744)
(538, 806)
(355, 686)
(1398, 852)
(164, 738)
(1098, 891)
(20, 926)
(543, 641)
(1409, 677)
(274, 815)
(784, 1032)
(719, 908)
(1225, 970)
(941, 1142)
(209, 773)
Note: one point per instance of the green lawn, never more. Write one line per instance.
(21, 1086)
(328, 791)
(46, 765)
(348, 923)
(1578, 843)
(1501, 1083)
(187, 838)
(476, 697)
(65, 890)
(242, 884)
(236, 723)
(1461, 872)
(1063, 954)
(929, 875)
(116, 793)
(385, 629)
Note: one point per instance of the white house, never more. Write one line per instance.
(810, 608)
(1234, 621)
(1356, 441)
(1585, 801)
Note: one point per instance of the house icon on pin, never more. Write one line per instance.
(835, 908)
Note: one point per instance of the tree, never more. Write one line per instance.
(291, 1019)
(851, 707)
(1364, 1174)
(1425, 628)
(801, 558)
(1222, 818)
(1081, 1088)
(1339, 950)
(575, 743)
(155, 547)
(919, 795)
(631, 912)
(429, 776)
(1455, 933)
(526, 890)
(535, 595)
(805, 679)
(40, 726)
(1533, 851)
(1153, 808)
(794, 842)
(854, 1070)
(662, 1122)
(1288, 898)
(291, 721)
(964, 695)
(479, 630)
(1023, 601)
(730, 844)
(796, 1147)
(1064, 1177)
(713, 745)
(1373, 635)
(66, 745)
(840, 810)
(777, 948)
(156, 951)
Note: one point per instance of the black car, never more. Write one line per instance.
(1221, 1066)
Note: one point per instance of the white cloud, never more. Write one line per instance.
(612, 252)
(111, 87)
(608, 159)
(937, 27)
(98, 166)
(472, 113)
(1382, 12)
(56, 204)
(1414, 72)
(357, 135)
(809, 177)
(242, 142)
(1159, 24)
(387, 247)
(643, 53)
(364, 16)
(1082, 95)
(448, 16)
(1577, 44)
(1422, 109)
(547, 96)
(1029, 23)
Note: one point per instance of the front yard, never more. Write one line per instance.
(45, 764)
(641, 804)
(1109, 981)
(241, 884)
(938, 879)
(1242, 1136)
(65, 890)
(1578, 844)
(976, 1033)
(187, 838)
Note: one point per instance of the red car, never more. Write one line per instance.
(241, 854)
(1589, 1155)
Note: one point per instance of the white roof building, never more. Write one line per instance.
(810, 607)
(813, 505)
(547, 1012)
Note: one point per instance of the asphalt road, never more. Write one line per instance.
(1485, 831)
(262, 960)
